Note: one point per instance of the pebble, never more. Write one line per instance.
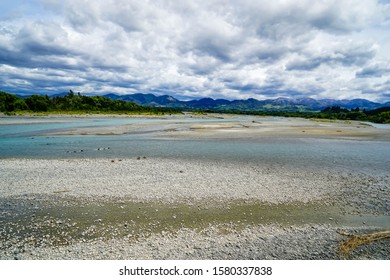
(157, 180)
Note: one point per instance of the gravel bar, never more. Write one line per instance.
(87, 209)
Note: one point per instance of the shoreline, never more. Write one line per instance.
(176, 208)
(218, 126)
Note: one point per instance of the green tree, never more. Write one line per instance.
(38, 103)
(7, 102)
(20, 105)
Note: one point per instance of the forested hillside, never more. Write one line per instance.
(73, 103)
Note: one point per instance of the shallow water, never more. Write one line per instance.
(379, 125)
(29, 141)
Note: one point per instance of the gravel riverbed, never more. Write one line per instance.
(155, 208)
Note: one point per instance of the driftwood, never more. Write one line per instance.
(356, 240)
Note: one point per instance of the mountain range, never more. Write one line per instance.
(279, 104)
(251, 104)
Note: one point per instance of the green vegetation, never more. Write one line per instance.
(381, 115)
(76, 103)
(73, 103)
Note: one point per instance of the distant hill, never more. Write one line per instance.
(281, 104)
(147, 99)
(356, 109)
(278, 104)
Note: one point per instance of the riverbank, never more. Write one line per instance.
(153, 208)
(191, 187)
(218, 126)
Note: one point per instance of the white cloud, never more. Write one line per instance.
(199, 48)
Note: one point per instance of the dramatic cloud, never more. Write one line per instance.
(193, 49)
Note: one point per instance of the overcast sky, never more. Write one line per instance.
(192, 49)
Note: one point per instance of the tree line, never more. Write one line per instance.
(73, 102)
(380, 115)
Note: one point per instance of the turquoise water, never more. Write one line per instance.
(379, 125)
(28, 141)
